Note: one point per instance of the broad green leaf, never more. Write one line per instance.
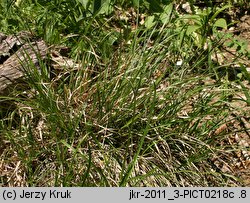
(192, 28)
(84, 2)
(97, 4)
(136, 3)
(100, 6)
(221, 22)
(106, 8)
(165, 16)
(149, 22)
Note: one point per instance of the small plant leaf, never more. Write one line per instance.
(165, 16)
(105, 8)
(191, 29)
(221, 22)
(84, 2)
(97, 4)
(136, 3)
(100, 7)
(149, 22)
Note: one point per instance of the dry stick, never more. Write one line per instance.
(13, 68)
